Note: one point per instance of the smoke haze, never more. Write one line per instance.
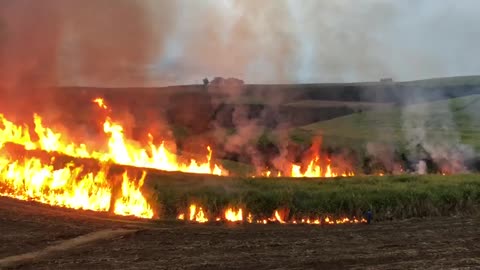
(146, 42)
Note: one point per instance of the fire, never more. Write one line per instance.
(132, 202)
(197, 214)
(48, 140)
(123, 151)
(234, 216)
(278, 218)
(313, 165)
(70, 187)
(314, 169)
(101, 103)
(14, 133)
(120, 149)
(250, 218)
(128, 153)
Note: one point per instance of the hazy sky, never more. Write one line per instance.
(149, 42)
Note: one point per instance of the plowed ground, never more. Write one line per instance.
(440, 243)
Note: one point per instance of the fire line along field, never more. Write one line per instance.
(143, 179)
(227, 134)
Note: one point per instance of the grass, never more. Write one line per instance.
(358, 105)
(237, 167)
(444, 82)
(396, 197)
(454, 118)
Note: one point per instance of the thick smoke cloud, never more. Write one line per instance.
(320, 40)
(54, 42)
(147, 42)
(51, 43)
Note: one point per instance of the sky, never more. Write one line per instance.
(155, 43)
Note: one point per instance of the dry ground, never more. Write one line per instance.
(441, 243)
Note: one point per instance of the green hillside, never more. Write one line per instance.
(450, 119)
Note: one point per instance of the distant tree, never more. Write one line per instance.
(205, 82)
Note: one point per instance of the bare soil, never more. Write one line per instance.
(440, 243)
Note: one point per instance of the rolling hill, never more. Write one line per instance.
(452, 119)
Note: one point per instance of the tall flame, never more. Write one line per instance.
(120, 149)
(127, 153)
(69, 187)
(132, 202)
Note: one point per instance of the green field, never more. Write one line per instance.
(311, 103)
(447, 119)
(391, 197)
(443, 82)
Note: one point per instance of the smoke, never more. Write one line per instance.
(386, 155)
(147, 42)
(422, 167)
(431, 132)
(54, 42)
(278, 41)
(50, 43)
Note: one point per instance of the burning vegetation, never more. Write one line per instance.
(107, 169)
(197, 215)
(55, 168)
(72, 187)
(121, 150)
(81, 187)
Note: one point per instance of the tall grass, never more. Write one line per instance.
(385, 125)
(390, 197)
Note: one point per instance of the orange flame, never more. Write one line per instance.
(197, 214)
(314, 169)
(234, 216)
(101, 103)
(66, 187)
(132, 202)
(120, 149)
(49, 140)
(278, 218)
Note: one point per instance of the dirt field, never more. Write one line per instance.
(132, 244)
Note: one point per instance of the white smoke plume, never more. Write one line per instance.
(431, 132)
(147, 42)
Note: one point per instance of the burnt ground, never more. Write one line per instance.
(439, 243)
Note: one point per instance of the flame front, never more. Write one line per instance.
(69, 187)
(313, 170)
(127, 153)
(48, 140)
(196, 214)
(118, 148)
(132, 202)
(124, 151)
